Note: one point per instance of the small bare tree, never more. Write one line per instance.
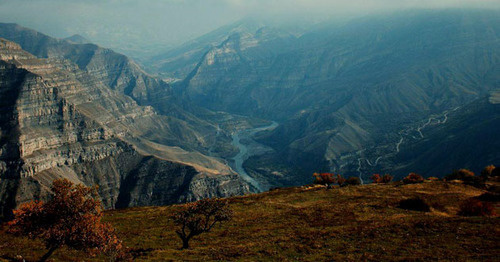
(200, 217)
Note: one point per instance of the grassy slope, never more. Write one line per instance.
(351, 223)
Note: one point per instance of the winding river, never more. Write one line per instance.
(245, 152)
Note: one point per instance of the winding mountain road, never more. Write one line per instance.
(407, 132)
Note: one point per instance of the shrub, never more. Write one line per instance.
(461, 174)
(387, 178)
(72, 218)
(324, 178)
(416, 204)
(376, 178)
(475, 207)
(413, 178)
(341, 180)
(199, 217)
(353, 181)
(487, 171)
(468, 177)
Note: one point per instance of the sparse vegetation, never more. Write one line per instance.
(378, 179)
(72, 218)
(353, 181)
(487, 171)
(475, 207)
(200, 217)
(468, 177)
(306, 224)
(340, 180)
(326, 179)
(413, 178)
(461, 174)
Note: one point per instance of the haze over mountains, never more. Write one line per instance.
(412, 91)
(346, 95)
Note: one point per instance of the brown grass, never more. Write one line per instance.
(298, 224)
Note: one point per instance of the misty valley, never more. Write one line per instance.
(237, 120)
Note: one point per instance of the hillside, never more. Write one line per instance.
(311, 224)
(345, 95)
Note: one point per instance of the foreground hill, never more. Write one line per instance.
(311, 224)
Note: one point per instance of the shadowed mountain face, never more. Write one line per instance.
(60, 121)
(346, 95)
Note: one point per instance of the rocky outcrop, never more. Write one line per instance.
(60, 121)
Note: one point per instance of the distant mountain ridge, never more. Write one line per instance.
(342, 93)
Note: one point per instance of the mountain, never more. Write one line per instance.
(470, 137)
(122, 74)
(343, 93)
(177, 63)
(58, 120)
(77, 39)
(113, 69)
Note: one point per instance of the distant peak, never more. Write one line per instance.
(77, 39)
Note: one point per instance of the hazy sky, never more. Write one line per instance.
(129, 24)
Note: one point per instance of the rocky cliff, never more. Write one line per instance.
(120, 73)
(61, 121)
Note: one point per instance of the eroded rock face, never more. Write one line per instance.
(59, 121)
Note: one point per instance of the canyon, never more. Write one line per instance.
(249, 107)
(59, 121)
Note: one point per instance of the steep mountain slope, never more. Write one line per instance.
(115, 70)
(468, 140)
(178, 63)
(120, 73)
(343, 93)
(60, 121)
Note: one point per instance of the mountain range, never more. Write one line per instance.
(417, 91)
(355, 97)
(65, 119)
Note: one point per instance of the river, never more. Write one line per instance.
(245, 153)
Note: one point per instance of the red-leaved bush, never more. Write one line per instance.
(341, 180)
(387, 178)
(378, 179)
(324, 178)
(413, 178)
(72, 218)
